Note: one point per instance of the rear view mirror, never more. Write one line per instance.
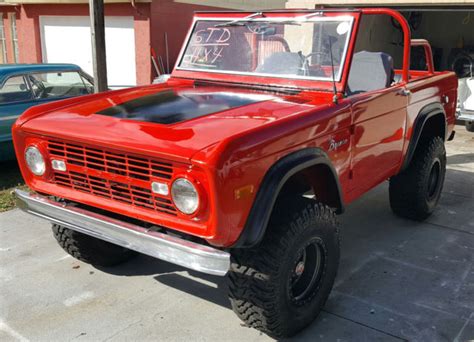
(262, 30)
(269, 31)
(331, 39)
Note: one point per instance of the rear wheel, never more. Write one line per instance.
(89, 249)
(415, 192)
(280, 286)
(469, 126)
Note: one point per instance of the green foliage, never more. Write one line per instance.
(10, 178)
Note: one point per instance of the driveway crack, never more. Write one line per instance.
(366, 326)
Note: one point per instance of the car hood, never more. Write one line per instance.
(170, 122)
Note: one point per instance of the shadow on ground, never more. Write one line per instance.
(200, 285)
(463, 158)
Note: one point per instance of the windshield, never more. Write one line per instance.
(279, 47)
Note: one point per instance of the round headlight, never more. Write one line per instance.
(35, 161)
(185, 196)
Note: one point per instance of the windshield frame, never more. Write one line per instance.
(301, 18)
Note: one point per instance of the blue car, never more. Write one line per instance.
(26, 85)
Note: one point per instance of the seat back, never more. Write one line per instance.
(282, 63)
(370, 71)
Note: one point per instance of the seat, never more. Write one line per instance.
(370, 71)
(282, 63)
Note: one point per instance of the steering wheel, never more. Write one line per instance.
(305, 67)
(41, 92)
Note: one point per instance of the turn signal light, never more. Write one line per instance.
(160, 188)
(58, 165)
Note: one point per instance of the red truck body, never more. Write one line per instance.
(228, 153)
(239, 163)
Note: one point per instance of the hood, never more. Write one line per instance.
(161, 121)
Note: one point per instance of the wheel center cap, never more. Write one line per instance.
(299, 268)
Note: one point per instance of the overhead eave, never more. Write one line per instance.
(250, 5)
(39, 2)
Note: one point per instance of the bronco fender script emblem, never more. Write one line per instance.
(334, 145)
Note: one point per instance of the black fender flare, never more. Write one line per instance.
(271, 185)
(425, 113)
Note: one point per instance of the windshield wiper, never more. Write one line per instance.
(241, 21)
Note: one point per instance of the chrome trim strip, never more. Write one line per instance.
(5, 118)
(178, 251)
(466, 115)
(276, 20)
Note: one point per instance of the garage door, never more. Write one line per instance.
(68, 40)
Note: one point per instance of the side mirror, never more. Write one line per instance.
(22, 87)
(331, 39)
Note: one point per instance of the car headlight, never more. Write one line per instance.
(35, 161)
(185, 196)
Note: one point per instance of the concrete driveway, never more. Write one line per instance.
(398, 280)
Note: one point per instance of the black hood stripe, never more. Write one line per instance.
(169, 107)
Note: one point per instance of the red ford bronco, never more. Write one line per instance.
(270, 124)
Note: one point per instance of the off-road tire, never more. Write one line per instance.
(89, 249)
(469, 126)
(413, 194)
(260, 277)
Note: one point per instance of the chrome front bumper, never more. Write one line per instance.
(165, 247)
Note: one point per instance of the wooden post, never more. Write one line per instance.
(96, 10)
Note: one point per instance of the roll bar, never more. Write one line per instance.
(406, 36)
(428, 53)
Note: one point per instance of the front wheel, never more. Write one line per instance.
(89, 249)
(280, 286)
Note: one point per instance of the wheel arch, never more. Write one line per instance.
(277, 177)
(430, 121)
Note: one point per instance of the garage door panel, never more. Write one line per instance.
(120, 50)
(68, 40)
